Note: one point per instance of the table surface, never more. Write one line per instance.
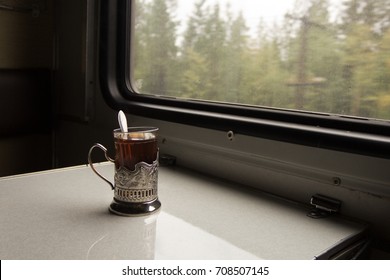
(63, 214)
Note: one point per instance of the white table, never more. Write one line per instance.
(63, 214)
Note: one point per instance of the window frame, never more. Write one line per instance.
(349, 134)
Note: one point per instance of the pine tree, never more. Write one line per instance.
(156, 45)
(237, 60)
(364, 27)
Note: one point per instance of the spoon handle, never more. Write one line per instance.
(122, 121)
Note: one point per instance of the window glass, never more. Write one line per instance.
(326, 56)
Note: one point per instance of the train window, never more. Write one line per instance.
(312, 55)
(311, 72)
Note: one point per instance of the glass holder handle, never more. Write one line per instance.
(100, 146)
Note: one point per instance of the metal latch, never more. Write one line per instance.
(324, 206)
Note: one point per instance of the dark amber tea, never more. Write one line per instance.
(129, 152)
(137, 145)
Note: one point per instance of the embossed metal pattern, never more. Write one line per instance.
(139, 185)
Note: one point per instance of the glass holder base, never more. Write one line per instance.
(130, 209)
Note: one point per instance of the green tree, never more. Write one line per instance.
(215, 43)
(364, 27)
(195, 28)
(267, 70)
(313, 59)
(383, 100)
(204, 53)
(193, 61)
(139, 44)
(157, 62)
(237, 61)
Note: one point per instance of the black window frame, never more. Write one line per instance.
(355, 135)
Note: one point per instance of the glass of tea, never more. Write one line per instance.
(136, 171)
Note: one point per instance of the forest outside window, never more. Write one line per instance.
(324, 56)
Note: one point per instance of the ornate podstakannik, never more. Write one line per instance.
(139, 185)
